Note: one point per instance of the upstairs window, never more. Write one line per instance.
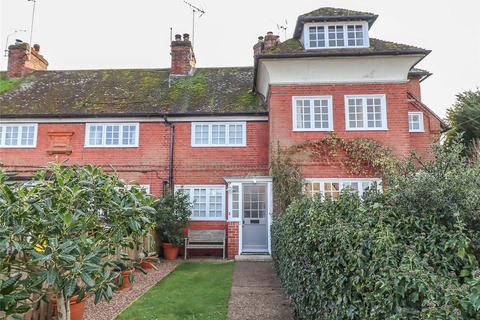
(351, 35)
(415, 122)
(366, 112)
(312, 113)
(18, 135)
(208, 202)
(219, 134)
(109, 135)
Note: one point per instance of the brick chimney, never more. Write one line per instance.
(183, 58)
(265, 43)
(22, 60)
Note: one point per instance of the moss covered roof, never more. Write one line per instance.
(294, 48)
(149, 91)
(332, 14)
(336, 12)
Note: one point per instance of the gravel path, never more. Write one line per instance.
(121, 300)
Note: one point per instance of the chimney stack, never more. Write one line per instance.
(183, 58)
(265, 43)
(22, 60)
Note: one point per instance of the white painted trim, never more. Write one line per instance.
(230, 201)
(206, 186)
(19, 125)
(270, 215)
(421, 122)
(312, 114)
(249, 179)
(253, 179)
(364, 105)
(227, 134)
(135, 119)
(306, 34)
(104, 135)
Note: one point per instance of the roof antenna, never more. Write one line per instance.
(15, 31)
(194, 11)
(283, 27)
(33, 19)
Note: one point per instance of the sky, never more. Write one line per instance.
(105, 34)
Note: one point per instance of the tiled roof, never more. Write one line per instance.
(131, 92)
(332, 14)
(294, 48)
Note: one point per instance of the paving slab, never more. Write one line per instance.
(257, 293)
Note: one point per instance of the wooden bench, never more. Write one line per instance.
(205, 239)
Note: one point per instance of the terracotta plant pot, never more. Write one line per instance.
(170, 251)
(76, 309)
(147, 263)
(126, 284)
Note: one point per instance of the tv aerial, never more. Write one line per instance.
(195, 10)
(15, 31)
(283, 27)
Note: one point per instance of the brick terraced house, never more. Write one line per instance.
(210, 130)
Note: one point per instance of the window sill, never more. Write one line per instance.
(207, 219)
(102, 147)
(219, 146)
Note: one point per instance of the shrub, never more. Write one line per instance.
(172, 216)
(61, 232)
(408, 253)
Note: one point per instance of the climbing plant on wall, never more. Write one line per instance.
(362, 156)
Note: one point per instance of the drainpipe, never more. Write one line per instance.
(170, 156)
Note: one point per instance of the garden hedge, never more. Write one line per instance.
(408, 253)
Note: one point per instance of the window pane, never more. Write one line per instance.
(320, 110)
(316, 37)
(218, 134)
(129, 135)
(235, 201)
(355, 113)
(201, 134)
(374, 112)
(27, 135)
(112, 135)
(235, 134)
(11, 136)
(355, 35)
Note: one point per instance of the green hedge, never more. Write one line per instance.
(408, 253)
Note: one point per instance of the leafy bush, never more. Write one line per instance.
(409, 253)
(61, 233)
(172, 216)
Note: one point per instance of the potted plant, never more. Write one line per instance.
(172, 216)
(147, 260)
(77, 305)
(125, 277)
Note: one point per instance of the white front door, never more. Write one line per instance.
(255, 218)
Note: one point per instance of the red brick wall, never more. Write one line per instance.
(397, 137)
(206, 165)
(232, 239)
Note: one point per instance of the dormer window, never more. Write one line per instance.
(335, 35)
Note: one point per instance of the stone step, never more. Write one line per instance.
(253, 257)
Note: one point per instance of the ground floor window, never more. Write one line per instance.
(208, 201)
(331, 188)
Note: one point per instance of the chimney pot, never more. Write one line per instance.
(183, 58)
(23, 61)
(260, 38)
(270, 33)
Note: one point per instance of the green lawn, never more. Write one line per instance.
(192, 291)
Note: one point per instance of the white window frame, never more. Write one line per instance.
(19, 138)
(227, 134)
(208, 187)
(312, 118)
(421, 126)
(342, 183)
(104, 134)
(364, 97)
(306, 34)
